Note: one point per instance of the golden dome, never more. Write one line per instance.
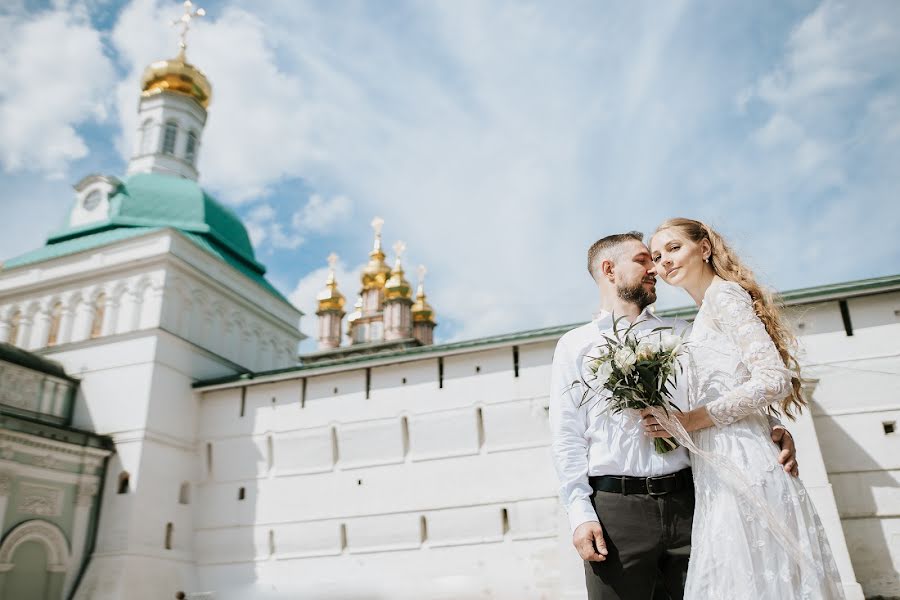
(330, 299)
(421, 310)
(176, 75)
(397, 286)
(376, 273)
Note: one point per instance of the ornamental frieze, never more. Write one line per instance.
(41, 500)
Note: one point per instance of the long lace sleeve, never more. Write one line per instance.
(768, 379)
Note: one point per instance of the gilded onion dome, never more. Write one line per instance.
(376, 272)
(178, 76)
(330, 299)
(421, 310)
(397, 286)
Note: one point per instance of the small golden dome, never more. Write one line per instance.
(176, 75)
(376, 272)
(421, 310)
(330, 299)
(397, 286)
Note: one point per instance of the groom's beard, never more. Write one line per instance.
(636, 294)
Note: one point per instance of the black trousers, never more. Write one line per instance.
(649, 543)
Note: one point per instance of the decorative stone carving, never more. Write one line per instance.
(86, 492)
(41, 500)
(48, 461)
(5, 484)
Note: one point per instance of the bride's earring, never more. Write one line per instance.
(707, 260)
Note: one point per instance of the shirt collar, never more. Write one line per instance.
(645, 314)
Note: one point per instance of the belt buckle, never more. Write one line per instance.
(649, 487)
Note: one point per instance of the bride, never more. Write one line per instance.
(756, 533)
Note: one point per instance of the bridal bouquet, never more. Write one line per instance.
(637, 373)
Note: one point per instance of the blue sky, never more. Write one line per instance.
(497, 139)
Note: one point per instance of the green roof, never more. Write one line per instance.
(802, 296)
(149, 202)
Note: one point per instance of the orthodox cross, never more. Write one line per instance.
(377, 222)
(421, 273)
(185, 22)
(399, 249)
(332, 261)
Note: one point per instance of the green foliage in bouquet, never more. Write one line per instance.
(637, 372)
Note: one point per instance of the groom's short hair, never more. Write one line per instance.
(607, 248)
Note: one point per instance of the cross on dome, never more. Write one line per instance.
(185, 22)
(421, 273)
(399, 249)
(332, 260)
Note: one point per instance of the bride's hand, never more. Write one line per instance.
(652, 427)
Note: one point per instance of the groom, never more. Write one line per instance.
(629, 507)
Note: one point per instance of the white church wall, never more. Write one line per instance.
(857, 393)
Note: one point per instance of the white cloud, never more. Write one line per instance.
(258, 130)
(304, 295)
(320, 214)
(55, 77)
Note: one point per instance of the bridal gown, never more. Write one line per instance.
(736, 372)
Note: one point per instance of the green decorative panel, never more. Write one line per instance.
(28, 578)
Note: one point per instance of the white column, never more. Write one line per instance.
(110, 316)
(41, 329)
(65, 324)
(86, 493)
(24, 332)
(151, 307)
(127, 320)
(81, 327)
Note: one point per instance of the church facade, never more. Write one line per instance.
(170, 440)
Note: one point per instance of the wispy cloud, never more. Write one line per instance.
(499, 139)
(55, 77)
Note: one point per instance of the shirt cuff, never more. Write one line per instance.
(581, 511)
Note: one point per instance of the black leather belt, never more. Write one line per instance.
(653, 486)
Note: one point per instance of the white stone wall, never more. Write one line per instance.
(337, 481)
(412, 485)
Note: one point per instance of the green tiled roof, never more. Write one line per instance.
(148, 202)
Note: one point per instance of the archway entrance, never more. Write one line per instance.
(33, 561)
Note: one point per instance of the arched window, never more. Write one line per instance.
(99, 311)
(124, 479)
(171, 132)
(146, 141)
(55, 318)
(184, 494)
(169, 531)
(15, 322)
(190, 149)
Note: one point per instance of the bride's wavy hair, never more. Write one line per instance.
(728, 266)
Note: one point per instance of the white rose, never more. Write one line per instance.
(603, 373)
(671, 342)
(625, 359)
(647, 348)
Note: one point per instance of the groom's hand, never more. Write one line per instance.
(588, 540)
(788, 456)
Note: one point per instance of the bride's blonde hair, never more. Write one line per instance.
(728, 266)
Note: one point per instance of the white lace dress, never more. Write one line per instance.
(736, 372)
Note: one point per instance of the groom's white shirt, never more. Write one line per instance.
(587, 441)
